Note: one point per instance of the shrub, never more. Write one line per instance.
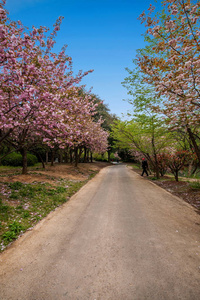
(15, 160)
(31, 159)
(99, 157)
(112, 157)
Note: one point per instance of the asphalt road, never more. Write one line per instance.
(120, 237)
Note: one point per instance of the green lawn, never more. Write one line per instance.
(22, 205)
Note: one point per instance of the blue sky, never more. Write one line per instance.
(101, 34)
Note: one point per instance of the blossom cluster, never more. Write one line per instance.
(174, 68)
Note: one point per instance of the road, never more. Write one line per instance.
(119, 238)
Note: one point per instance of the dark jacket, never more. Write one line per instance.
(144, 164)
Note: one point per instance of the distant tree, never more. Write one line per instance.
(103, 113)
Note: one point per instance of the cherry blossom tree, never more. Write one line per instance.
(171, 63)
(39, 99)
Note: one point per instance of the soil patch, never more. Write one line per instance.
(53, 173)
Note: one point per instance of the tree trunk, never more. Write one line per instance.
(80, 153)
(88, 155)
(85, 155)
(47, 157)
(43, 164)
(66, 155)
(109, 156)
(157, 173)
(196, 148)
(76, 156)
(23, 152)
(71, 156)
(190, 169)
(52, 157)
(91, 157)
(155, 157)
(60, 156)
(176, 175)
(195, 168)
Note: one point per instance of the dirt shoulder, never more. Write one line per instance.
(181, 189)
(51, 173)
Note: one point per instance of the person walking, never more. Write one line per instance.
(144, 167)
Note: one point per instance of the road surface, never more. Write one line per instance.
(119, 238)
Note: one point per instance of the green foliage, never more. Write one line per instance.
(39, 151)
(13, 195)
(125, 155)
(3, 208)
(112, 156)
(60, 189)
(104, 157)
(4, 211)
(15, 185)
(144, 98)
(15, 229)
(142, 134)
(103, 112)
(100, 157)
(15, 159)
(8, 236)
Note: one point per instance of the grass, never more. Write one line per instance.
(10, 170)
(136, 166)
(23, 205)
(195, 185)
(186, 173)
